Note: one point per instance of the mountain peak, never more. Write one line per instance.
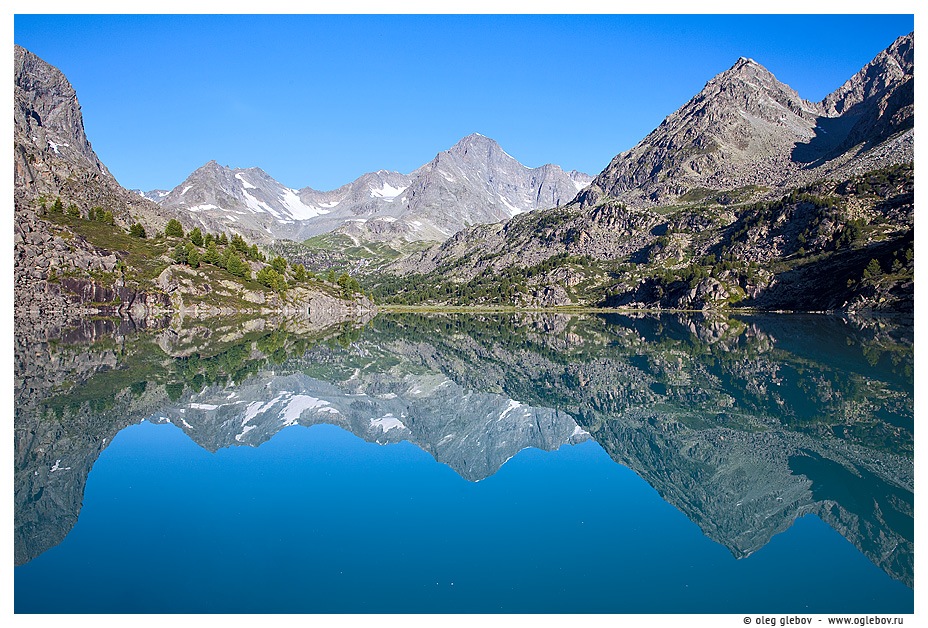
(750, 72)
(212, 164)
(474, 140)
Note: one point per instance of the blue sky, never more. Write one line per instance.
(318, 100)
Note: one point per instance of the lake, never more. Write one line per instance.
(467, 463)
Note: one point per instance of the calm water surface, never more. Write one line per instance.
(468, 464)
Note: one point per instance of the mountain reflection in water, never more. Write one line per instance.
(744, 424)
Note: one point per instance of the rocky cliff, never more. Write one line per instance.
(72, 251)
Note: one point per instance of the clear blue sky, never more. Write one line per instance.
(319, 100)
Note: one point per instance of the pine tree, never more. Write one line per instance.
(193, 257)
(279, 264)
(174, 229)
(212, 256)
(235, 265)
(180, 254)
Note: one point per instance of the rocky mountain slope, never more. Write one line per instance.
(473, 182)
(746, 128)
(52, 155)
(748, 195)
(84, 243)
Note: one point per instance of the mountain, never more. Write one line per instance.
(747, 129)
(245, 201)
(748, 195)
(153, 195)
(878, 101)
(51, 153)
(474, 182)
(84, 244)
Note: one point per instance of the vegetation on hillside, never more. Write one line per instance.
(143, 257)
(720, 250)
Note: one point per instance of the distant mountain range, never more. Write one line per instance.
(474, 182)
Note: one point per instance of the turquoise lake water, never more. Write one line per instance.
(461, 464)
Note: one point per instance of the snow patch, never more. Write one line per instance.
(57, 466)
(387, 396)
(300, 403)
(512, 405)
(387, 192)
(387, 423)
(202, 208)
(297, 208)
(187, 425)
(245, 183)
(512, 208)
(255, 408)
(203, 406)
(259, 206)
(247, 429)
(579, 431)
(54, 147)
(185, 190)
